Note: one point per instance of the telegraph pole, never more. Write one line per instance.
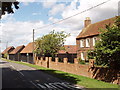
(33, 45)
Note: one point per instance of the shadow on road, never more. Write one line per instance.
(62, 76)
(12, 79)
(3, 62)
(21, 79)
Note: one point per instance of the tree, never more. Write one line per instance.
(7, 7)
(5, 55)
(51, 43)
(108, 48)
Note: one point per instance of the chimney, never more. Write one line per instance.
(87, 21)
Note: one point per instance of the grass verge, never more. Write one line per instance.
(75, 79)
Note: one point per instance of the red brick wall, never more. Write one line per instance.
(103, 74)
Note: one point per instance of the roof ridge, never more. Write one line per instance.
(92, 29)
(103, 20)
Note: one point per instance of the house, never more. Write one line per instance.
(27, 53)
(70, 52)
(7, 51)
(15, 54)
(89, 35)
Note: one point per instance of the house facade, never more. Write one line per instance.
(70, 52)
(7, 51)
(89, 35)
(27, 53)
(15, 54)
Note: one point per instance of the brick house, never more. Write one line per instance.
(70, 52)
(15, 54)
(89, 35)
(7, 51)
(27, 53)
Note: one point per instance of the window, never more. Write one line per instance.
(87, 42)
(82, 56)
(94, 40)
(81, 43)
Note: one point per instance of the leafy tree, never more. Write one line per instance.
(51, 43)
(7, 7)
(108, 48)
(91, 54)
(5, 55)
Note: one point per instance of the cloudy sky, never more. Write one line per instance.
(16, 29)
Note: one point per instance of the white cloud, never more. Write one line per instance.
(75, 24)
(27, 0)
(52, 19)
(18, 33)
(56, 9)
(49, 3)
(36, 14)
(8, 17)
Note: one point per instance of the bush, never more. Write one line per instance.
(5, 55)
(82, 62)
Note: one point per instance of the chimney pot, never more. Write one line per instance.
(87, 21)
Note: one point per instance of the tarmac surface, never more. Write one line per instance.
(17, 76)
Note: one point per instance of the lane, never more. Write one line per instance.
(11, 78)
(21, 76)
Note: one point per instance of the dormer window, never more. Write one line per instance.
(94, 40)
(81, 43)
(88, 42)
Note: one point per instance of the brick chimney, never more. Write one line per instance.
(87, 21)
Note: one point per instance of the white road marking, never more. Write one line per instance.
(12, 66)
(21, 73)
(77, 87)
(34, 84)
(52, 85)
(57, 85)
(41, 86)
(17, 70)
(48, 86)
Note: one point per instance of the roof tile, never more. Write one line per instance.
(28, 48)
(17, 49)
(8, 50)
(93, 29)
(69, 49)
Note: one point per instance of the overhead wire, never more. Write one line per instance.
(73, 15)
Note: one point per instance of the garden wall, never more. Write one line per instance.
(99, 73)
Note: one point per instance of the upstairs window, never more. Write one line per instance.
(88, 42)
(94, 40)
(81, 43)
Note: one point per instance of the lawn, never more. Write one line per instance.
(75, 79)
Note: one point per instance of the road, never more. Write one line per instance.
(21, 76)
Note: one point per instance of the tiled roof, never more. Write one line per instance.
(7, 50)
(28, 48)
(17, 49)
(69, 49)
(93, 29)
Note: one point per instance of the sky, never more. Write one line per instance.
(16, 29)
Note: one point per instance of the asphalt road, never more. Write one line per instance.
(21, 76)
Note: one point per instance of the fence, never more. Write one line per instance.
(99, 73)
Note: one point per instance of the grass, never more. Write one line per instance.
(75, 79)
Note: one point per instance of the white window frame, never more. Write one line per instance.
(81, 43)
(88, 42)
(82, 56)
(94, 40)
